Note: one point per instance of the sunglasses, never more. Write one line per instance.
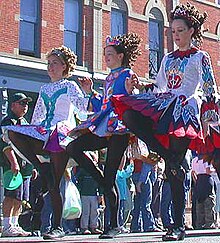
(23, 103)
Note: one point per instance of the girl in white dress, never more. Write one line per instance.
(59, 104)
(174, 116)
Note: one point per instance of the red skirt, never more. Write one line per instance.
(160, 107)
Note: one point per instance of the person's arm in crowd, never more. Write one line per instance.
(10, 154)
(8, 151)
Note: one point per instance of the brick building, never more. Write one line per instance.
(29, 28)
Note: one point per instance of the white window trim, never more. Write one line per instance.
(152, 4)
(209, 3)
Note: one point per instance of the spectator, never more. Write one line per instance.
(121, 181)
(204, 193)
(142, 216)
(12, 203)
(91, 195)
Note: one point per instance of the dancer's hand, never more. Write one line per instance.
(86, 84)
(130, 83)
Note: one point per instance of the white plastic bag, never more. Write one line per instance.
(72, 207)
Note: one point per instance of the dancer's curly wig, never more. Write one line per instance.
(192, 18)
(67, 56)
(129, 45)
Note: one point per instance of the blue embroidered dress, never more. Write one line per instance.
(105, 122)
(58, 105)
(183, 100)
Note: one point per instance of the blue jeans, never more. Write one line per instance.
(142, 216)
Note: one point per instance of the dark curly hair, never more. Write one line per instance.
(128, 44)
(67, 56)
(192, 18)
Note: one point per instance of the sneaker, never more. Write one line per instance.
(110, 234)
(23, 232)
(96, 231)
(153, 230)
(174, 235)
(54, 234)
(86, 232)
(11, 232)
(124, 230)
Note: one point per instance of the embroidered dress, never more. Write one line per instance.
(182, 100)
(105, 122)
(58, 105)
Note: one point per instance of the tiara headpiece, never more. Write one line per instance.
(183, 12)
(58, 53)
(112, 41)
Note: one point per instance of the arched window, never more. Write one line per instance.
(119, 17)
(72, 26)
(29, 34)
(156, 30)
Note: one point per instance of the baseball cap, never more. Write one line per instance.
(19, 97)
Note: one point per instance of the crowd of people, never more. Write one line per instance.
(71, 120)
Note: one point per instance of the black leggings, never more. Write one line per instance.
(142, 127)
(116, 145)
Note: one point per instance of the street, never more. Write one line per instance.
(193, 236)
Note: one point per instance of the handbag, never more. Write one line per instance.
(72, 207)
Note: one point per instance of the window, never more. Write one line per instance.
(155, 42)
(72, 26)
(118, 18)
(29, 37)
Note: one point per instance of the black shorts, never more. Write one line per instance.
(22, 192)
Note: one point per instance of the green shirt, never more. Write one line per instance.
(26, 168)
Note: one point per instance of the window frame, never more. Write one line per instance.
(35, 21)
(124, 14)
(79, 34)
(160, 50)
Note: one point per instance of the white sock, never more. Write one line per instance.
(7, 222)
(14, 220)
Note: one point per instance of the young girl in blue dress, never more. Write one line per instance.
(104, 129)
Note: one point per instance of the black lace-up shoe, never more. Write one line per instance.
(110, 234)
(174, 235)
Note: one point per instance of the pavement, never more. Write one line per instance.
(193, 236)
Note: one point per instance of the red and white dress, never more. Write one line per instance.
(183, 101)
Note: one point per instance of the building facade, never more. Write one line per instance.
(30, 28)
